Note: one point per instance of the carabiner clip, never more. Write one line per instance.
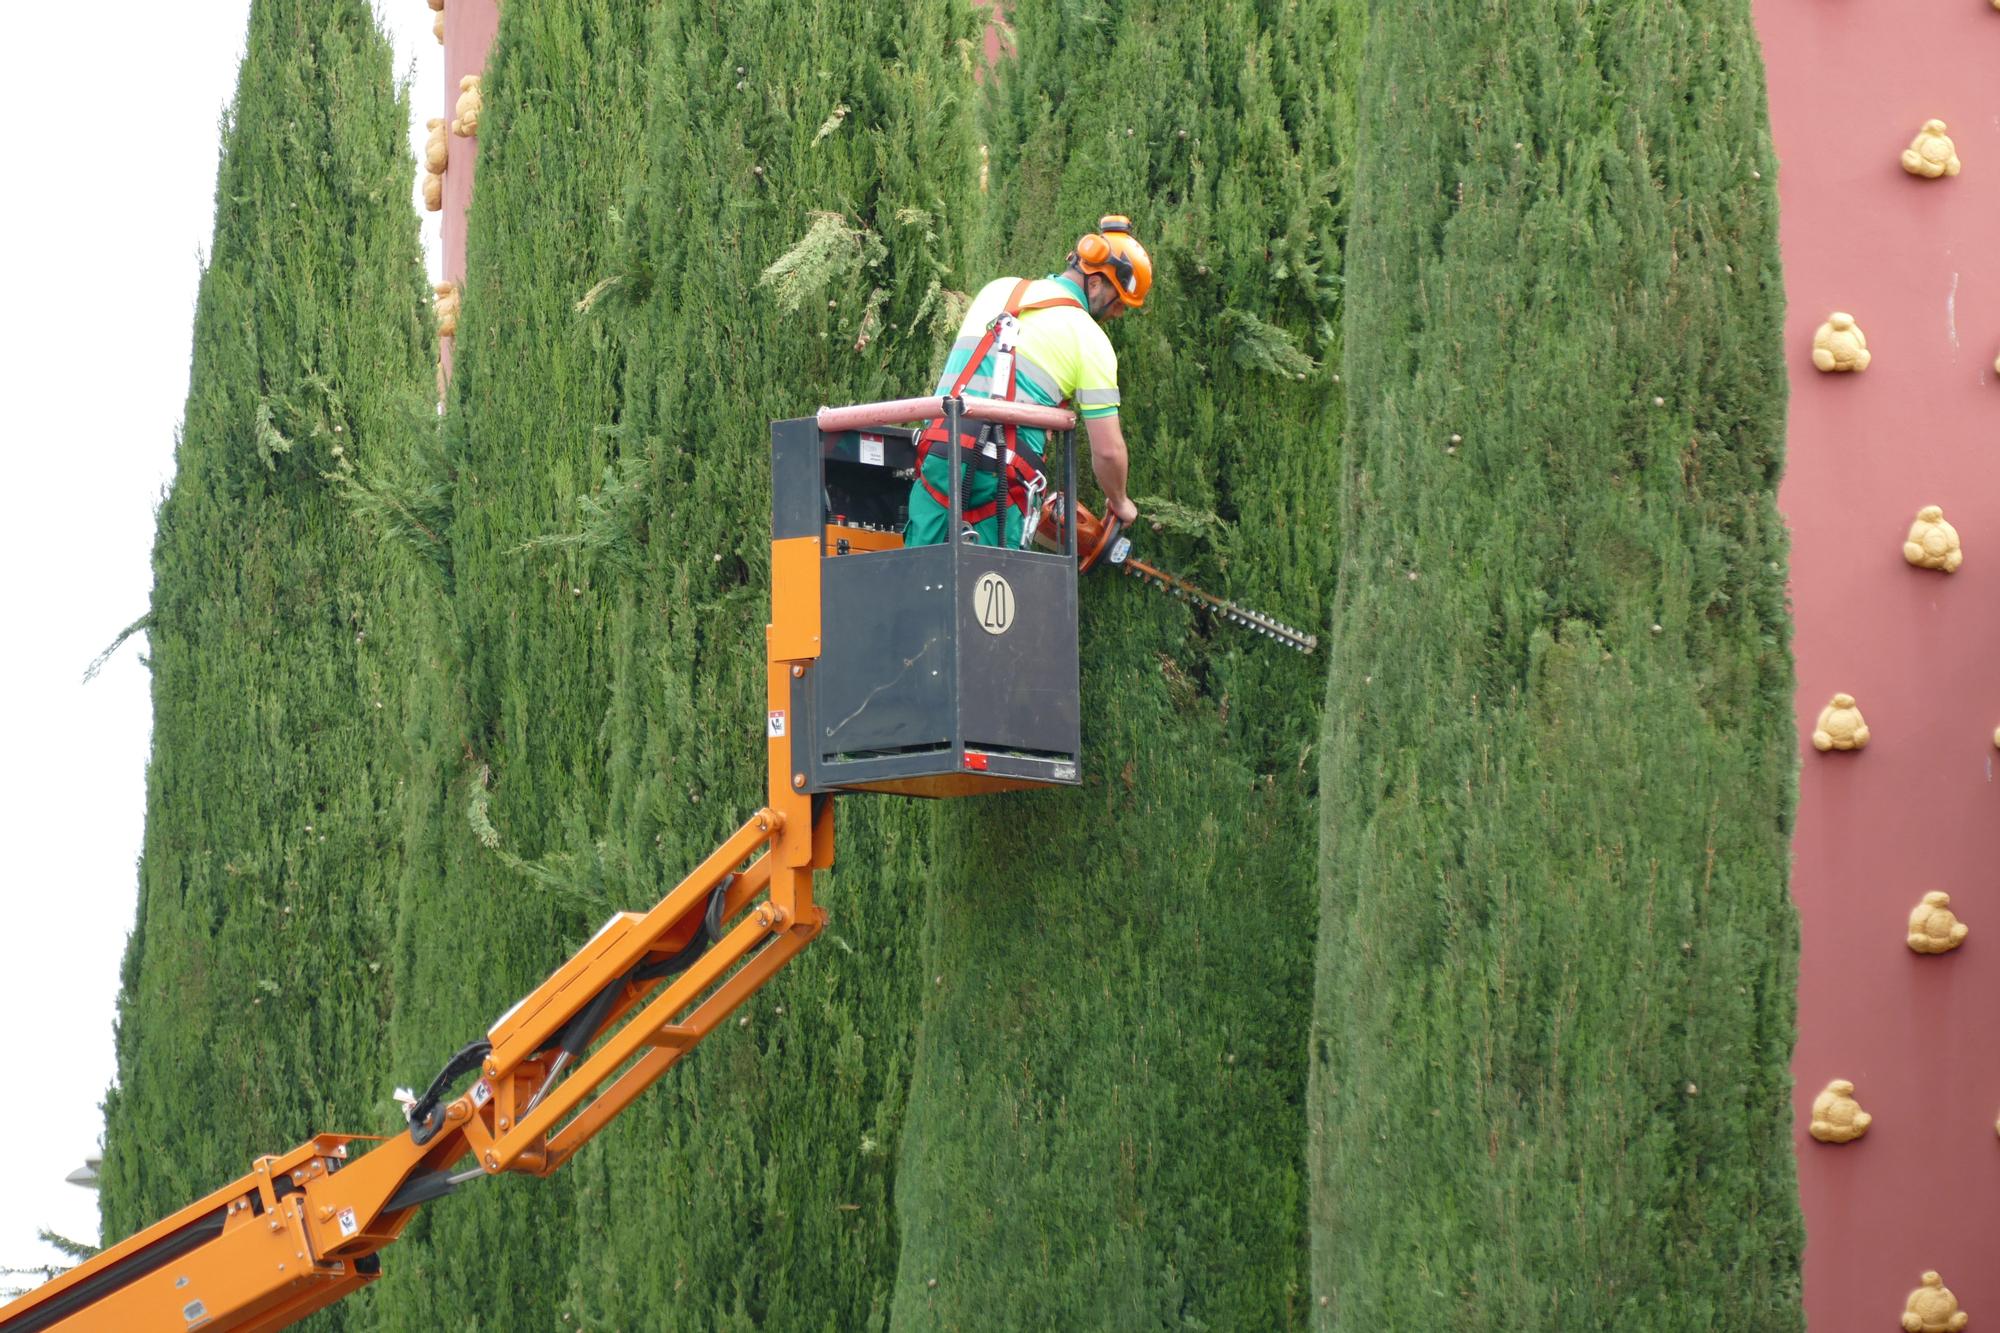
(1032, 515)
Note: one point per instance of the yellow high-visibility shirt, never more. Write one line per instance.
(1061, 355)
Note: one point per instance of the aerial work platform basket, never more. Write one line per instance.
(946, 670)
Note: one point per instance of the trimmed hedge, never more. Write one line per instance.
(256, 980)
(751, 1187)
(1062, 1060)
(1555, 977)
(1104, 1127)
(507, 790)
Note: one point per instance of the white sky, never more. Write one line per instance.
(109, 118)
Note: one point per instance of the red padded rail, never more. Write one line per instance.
(863, 415)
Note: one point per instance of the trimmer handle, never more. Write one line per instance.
(1095, 537)
(1106, 543)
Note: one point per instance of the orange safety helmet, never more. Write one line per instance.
(1114, 254)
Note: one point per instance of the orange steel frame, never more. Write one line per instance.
(301, 1230)
(278, 1257)
(293, 1228)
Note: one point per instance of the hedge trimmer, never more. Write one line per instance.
(1102, 543)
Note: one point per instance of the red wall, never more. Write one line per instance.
(469, 26)
(1917, 262)
(1003, 12)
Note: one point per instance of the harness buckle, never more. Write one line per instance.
(1006, 332)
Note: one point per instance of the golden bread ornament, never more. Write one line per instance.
(447, 308)
(1836, 1116)
(1931, 154)
(1932, 1308)
(1933, 543)
(465, 115)
(437, 147)
(1933, 927)
(1839, 345)
(1840, 726)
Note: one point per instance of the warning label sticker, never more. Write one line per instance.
(776, 725)
(871, 449)
(348, 1224)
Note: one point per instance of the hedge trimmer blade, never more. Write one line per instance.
(1047, 530)
(1254, 621)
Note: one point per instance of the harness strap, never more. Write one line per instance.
(1019, 470)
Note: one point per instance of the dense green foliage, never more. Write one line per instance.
(433, 697)
(256, 984)
(752, 1187)
(1555, 975)
(1104, 1124)
(509, 780)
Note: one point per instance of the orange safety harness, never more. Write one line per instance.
(1023, 471)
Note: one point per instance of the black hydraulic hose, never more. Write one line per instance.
(576, 1034)
(420, 1189)
(128, 1270)
(427, 1116)
(706, 934)
(581, 1030)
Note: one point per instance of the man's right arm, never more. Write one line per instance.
(1096, 397)
(1109, 461)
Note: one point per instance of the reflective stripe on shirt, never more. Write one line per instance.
(1057, 346)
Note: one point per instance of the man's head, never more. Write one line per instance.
(1117, 271)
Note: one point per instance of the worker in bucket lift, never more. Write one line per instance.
(1035, 342)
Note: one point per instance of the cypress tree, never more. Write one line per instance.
(1555, 972)
(799, 239)
(256, 980)
(508, 781)
(1103, 1123)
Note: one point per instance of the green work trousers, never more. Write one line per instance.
(929, 519)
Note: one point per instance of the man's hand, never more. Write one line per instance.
(1125, 512)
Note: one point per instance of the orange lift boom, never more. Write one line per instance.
(303, 1229)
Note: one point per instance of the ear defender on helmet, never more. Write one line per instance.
(1114, 253)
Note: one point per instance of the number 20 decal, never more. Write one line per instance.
(993, 603)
